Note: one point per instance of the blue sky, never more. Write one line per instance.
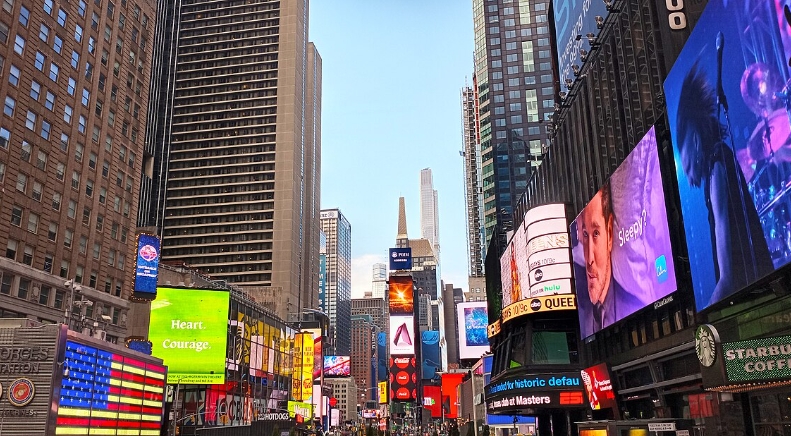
(392, 76)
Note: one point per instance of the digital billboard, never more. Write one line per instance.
(621, 243)
(146, 266)
(472, 322)
(432, 400)
(733, 186)
(400, 258)
(99, 384)
(402, 335)
(381, 350)
(574, 20)
(188, 330)
(382, 391)
(322, 281)
(302, 376)
(401, 295)
(450, 395)
(537, 260)
(598, 387)
(337, 366)
(430, 353)
(403, 378)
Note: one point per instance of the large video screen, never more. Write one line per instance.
(403, 378)
(188, 330)
(337, 366)
(401, 293)
(430, 352)
(621, 244)
(536, 261)
(402, 335)
(733, 160)
(472, 319)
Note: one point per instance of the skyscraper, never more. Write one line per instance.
(429, 213)
(379, 280)
(473, 187)
(515, 91)
(242, 183)
(75, 92)
(338, 286)
(364, 355)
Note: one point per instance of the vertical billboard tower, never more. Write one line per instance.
(403, 368)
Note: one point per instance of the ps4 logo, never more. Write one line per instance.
(661, 269)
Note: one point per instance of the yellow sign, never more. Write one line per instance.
(546, 303)
(296, 376)
(382, 392)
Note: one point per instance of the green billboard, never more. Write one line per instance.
(188, 330)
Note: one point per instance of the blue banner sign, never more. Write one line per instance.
(400, 259)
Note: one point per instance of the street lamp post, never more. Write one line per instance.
(73, 286)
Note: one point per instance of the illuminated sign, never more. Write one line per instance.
(543, 399)
(402, 335)
(598, 387)
(758, 359)
(147, 265)
(188, 330)
(401, 295)
(537, 260)
(337, 366)
(472, 322)
(537, 381)
(547, 303)
(304, 410)
(382, 387)
(403, 379)
(400, 258)
(108, 391)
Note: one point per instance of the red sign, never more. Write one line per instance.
(432, 400)
(450, 396)
(333, 402)
(598, 387)
(403, 378)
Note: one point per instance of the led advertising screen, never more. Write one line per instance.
(400, 258)
(598, 387)
(381, 350)
(472, 319)
(574, 20)
(450, 394)
(322, 281)
(382, 391)
(537, 261)
(621, 243)
(401, 293)
(429, 341)
(403, 379)
(734, 188)
(188, 330)
(99, 383)
(432, 400)
(337, 366)
(147, 266)
(402, 335)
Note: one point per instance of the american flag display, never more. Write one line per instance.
(104, 393)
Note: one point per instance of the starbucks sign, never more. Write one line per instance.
(758, 359)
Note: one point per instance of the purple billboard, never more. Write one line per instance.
(621, 244)
(729, 106)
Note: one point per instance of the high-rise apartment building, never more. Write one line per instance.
(379, 280)
(345, 391)
(75, 81)
(338, 279)
(515, 91)
(243, 153)
(376, 308)
(364, 356)
(429, 212)
(473, 198)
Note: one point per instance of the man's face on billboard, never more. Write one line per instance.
(595, 233)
